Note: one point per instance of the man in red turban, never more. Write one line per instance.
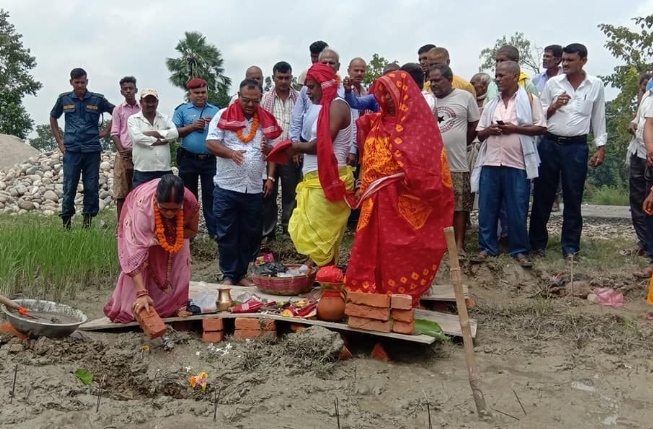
(318, 223)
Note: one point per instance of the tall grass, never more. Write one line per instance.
(608, 196)
(39, 259)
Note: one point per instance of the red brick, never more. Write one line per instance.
(345, 354)
(367, 312)
(243, 334)
(371, 299)
(369, 324)
(403, 327)
(8, 328)
(379, 353)
(255, 324)
(213, 337)
(214, 324)
(401, 302)
(403, 315)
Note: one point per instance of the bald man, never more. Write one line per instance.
(440, 55)
(252, 72)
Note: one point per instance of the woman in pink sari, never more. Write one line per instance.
(158, 219)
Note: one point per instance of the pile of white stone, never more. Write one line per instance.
(36, 185)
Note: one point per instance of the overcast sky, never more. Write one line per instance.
(135, 37)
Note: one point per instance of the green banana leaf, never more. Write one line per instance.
(430, 328)
(84, 375)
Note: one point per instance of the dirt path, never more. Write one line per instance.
(569, 362)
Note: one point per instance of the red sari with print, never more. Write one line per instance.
(406, 194)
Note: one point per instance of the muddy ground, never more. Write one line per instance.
(546, 361)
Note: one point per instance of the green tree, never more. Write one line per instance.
(375, 69)
(634, 50)
(44, 140)
(529, 55)
(15, 80)
(200, 59)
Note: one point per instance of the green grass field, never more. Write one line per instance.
(38, 258)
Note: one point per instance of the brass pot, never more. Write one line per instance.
(224, 299)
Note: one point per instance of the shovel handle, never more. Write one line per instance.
(8, 303)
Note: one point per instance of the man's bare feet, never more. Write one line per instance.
(227, 282)
(245, 282)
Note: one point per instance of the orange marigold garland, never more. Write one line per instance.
(252, 131)
(160, 231)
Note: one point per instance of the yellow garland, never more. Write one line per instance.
(160, 231)
(252, 131)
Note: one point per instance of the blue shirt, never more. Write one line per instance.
(366, 102)
(302, 108)
(185, 115)
(82, 116)
(649, 85)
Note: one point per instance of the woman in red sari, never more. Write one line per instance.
(157, 221)
(405, 194)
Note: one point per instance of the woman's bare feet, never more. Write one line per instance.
(183, 312)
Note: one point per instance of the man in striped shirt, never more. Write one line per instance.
(280, 101)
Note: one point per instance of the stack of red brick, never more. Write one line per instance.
(380, 313)
(213, 330)
(254, 328)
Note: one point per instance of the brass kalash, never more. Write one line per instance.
(224, 299)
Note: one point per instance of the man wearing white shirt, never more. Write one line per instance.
(637, 179)
(573, 102)
(151, 133)
(235, 137)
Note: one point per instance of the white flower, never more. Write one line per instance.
(188, 368)
(197, 353)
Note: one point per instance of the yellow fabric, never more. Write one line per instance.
(649, 298)
(458, 83)
(317, 225)
(523, 77)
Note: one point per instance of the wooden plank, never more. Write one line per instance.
(105, 324)
(448, 322)
(443, 293)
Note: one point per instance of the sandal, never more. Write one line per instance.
(648, 316)
(461, 254)
(646, 273)
(523, 261)
(571, 258)
(480, 258)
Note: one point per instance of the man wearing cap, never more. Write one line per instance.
(151, 133)
(194, 160)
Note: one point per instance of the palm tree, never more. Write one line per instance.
(199, 59)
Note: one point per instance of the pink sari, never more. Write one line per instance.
(138, 250)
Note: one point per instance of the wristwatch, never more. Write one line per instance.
(271, 178)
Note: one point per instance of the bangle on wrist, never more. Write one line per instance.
(271, 178)
(141, 293)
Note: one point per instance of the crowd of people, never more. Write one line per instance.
(415, 152)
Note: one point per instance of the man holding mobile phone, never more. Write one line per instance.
(194, 160)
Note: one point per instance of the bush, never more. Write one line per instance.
(608, 196)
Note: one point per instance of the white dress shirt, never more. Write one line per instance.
(245, 178)
(587, 106)
(147, 157)
(636, 146)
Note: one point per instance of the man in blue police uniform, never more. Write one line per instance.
(80, 144)
(193, 158)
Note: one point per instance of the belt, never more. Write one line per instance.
(566, 140)
(200, 156)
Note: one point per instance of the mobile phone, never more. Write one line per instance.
(501, 123)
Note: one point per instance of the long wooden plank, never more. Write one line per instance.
(105, 324)
(443, 293)
(448, 322)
